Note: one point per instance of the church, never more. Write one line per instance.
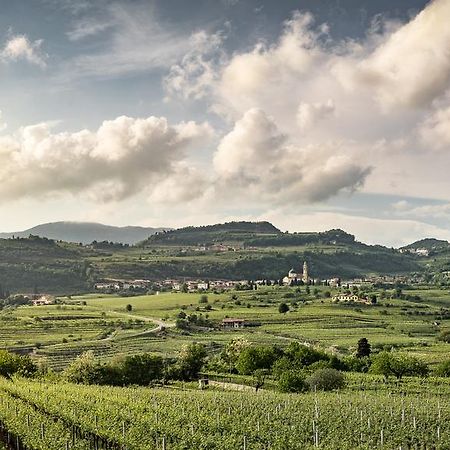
(293, 276)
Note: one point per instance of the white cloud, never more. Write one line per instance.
(412, 66)
(137, 42)
(309, 114)
(87, 27)
(20, 47)
(257, 158)
(435, 130)
(123, 157)
(194, 76)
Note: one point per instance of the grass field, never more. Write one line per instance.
(101, 323)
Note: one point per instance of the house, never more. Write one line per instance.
(348, 298)
(233, 323)
(290, 277)
(43, 300)
(345, 298)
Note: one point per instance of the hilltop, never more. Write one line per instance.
(225, 233)
(430, 244)
(86, 232)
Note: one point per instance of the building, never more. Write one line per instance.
(43, 301)
(350, 298)
(233, 323)
(305, 277)
(290, 277)
(293, 276)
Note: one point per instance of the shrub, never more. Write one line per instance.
(445, 336)
(355, 364)
(283, 308)
(443, 369)
(203, 299)
(85, 369)
(326, 380)
(292, 381)
(11, 364)
(141, 369)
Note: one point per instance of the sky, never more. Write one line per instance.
(312, 115)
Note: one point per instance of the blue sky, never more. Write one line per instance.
(313, 115)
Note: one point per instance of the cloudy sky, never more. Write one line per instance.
(313, 115)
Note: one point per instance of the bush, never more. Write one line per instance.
(443, 369)
(326, 380)
(445, 336)
(355, 364)
(292, 381)
(11, 364)
(141, 369)
(203, 299)
(85, 369)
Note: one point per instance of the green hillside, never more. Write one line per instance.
(231, 233)
(236, 250)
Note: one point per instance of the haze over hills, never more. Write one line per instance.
(86, 232)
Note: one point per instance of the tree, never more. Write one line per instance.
(326, 380)
(283, 308)
(203, 299)
(141, 369)
(363, 348)
(292, 381)
(256, 357)
(231, 352)
(129, 308)
(190, 362)
(397, 365)
(259, 377)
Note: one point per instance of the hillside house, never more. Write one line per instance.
(43, 300)
(233, 323)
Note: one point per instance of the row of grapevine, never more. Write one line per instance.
(25, 428)
(153, 419)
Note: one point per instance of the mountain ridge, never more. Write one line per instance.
(86, 232)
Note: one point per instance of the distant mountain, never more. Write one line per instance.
(86, 232)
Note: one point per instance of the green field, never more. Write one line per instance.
(60, 415)
(58, 333)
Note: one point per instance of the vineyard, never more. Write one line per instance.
(55, 416)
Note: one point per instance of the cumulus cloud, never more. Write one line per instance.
(256, 157)
(412, 66)
(435, 130)
(308, 114)
(195, 74)
(121, 158)
(20, 47)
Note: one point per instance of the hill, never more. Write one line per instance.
(86, 232)
(235, 251)
(430, 244)
(226, 233)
